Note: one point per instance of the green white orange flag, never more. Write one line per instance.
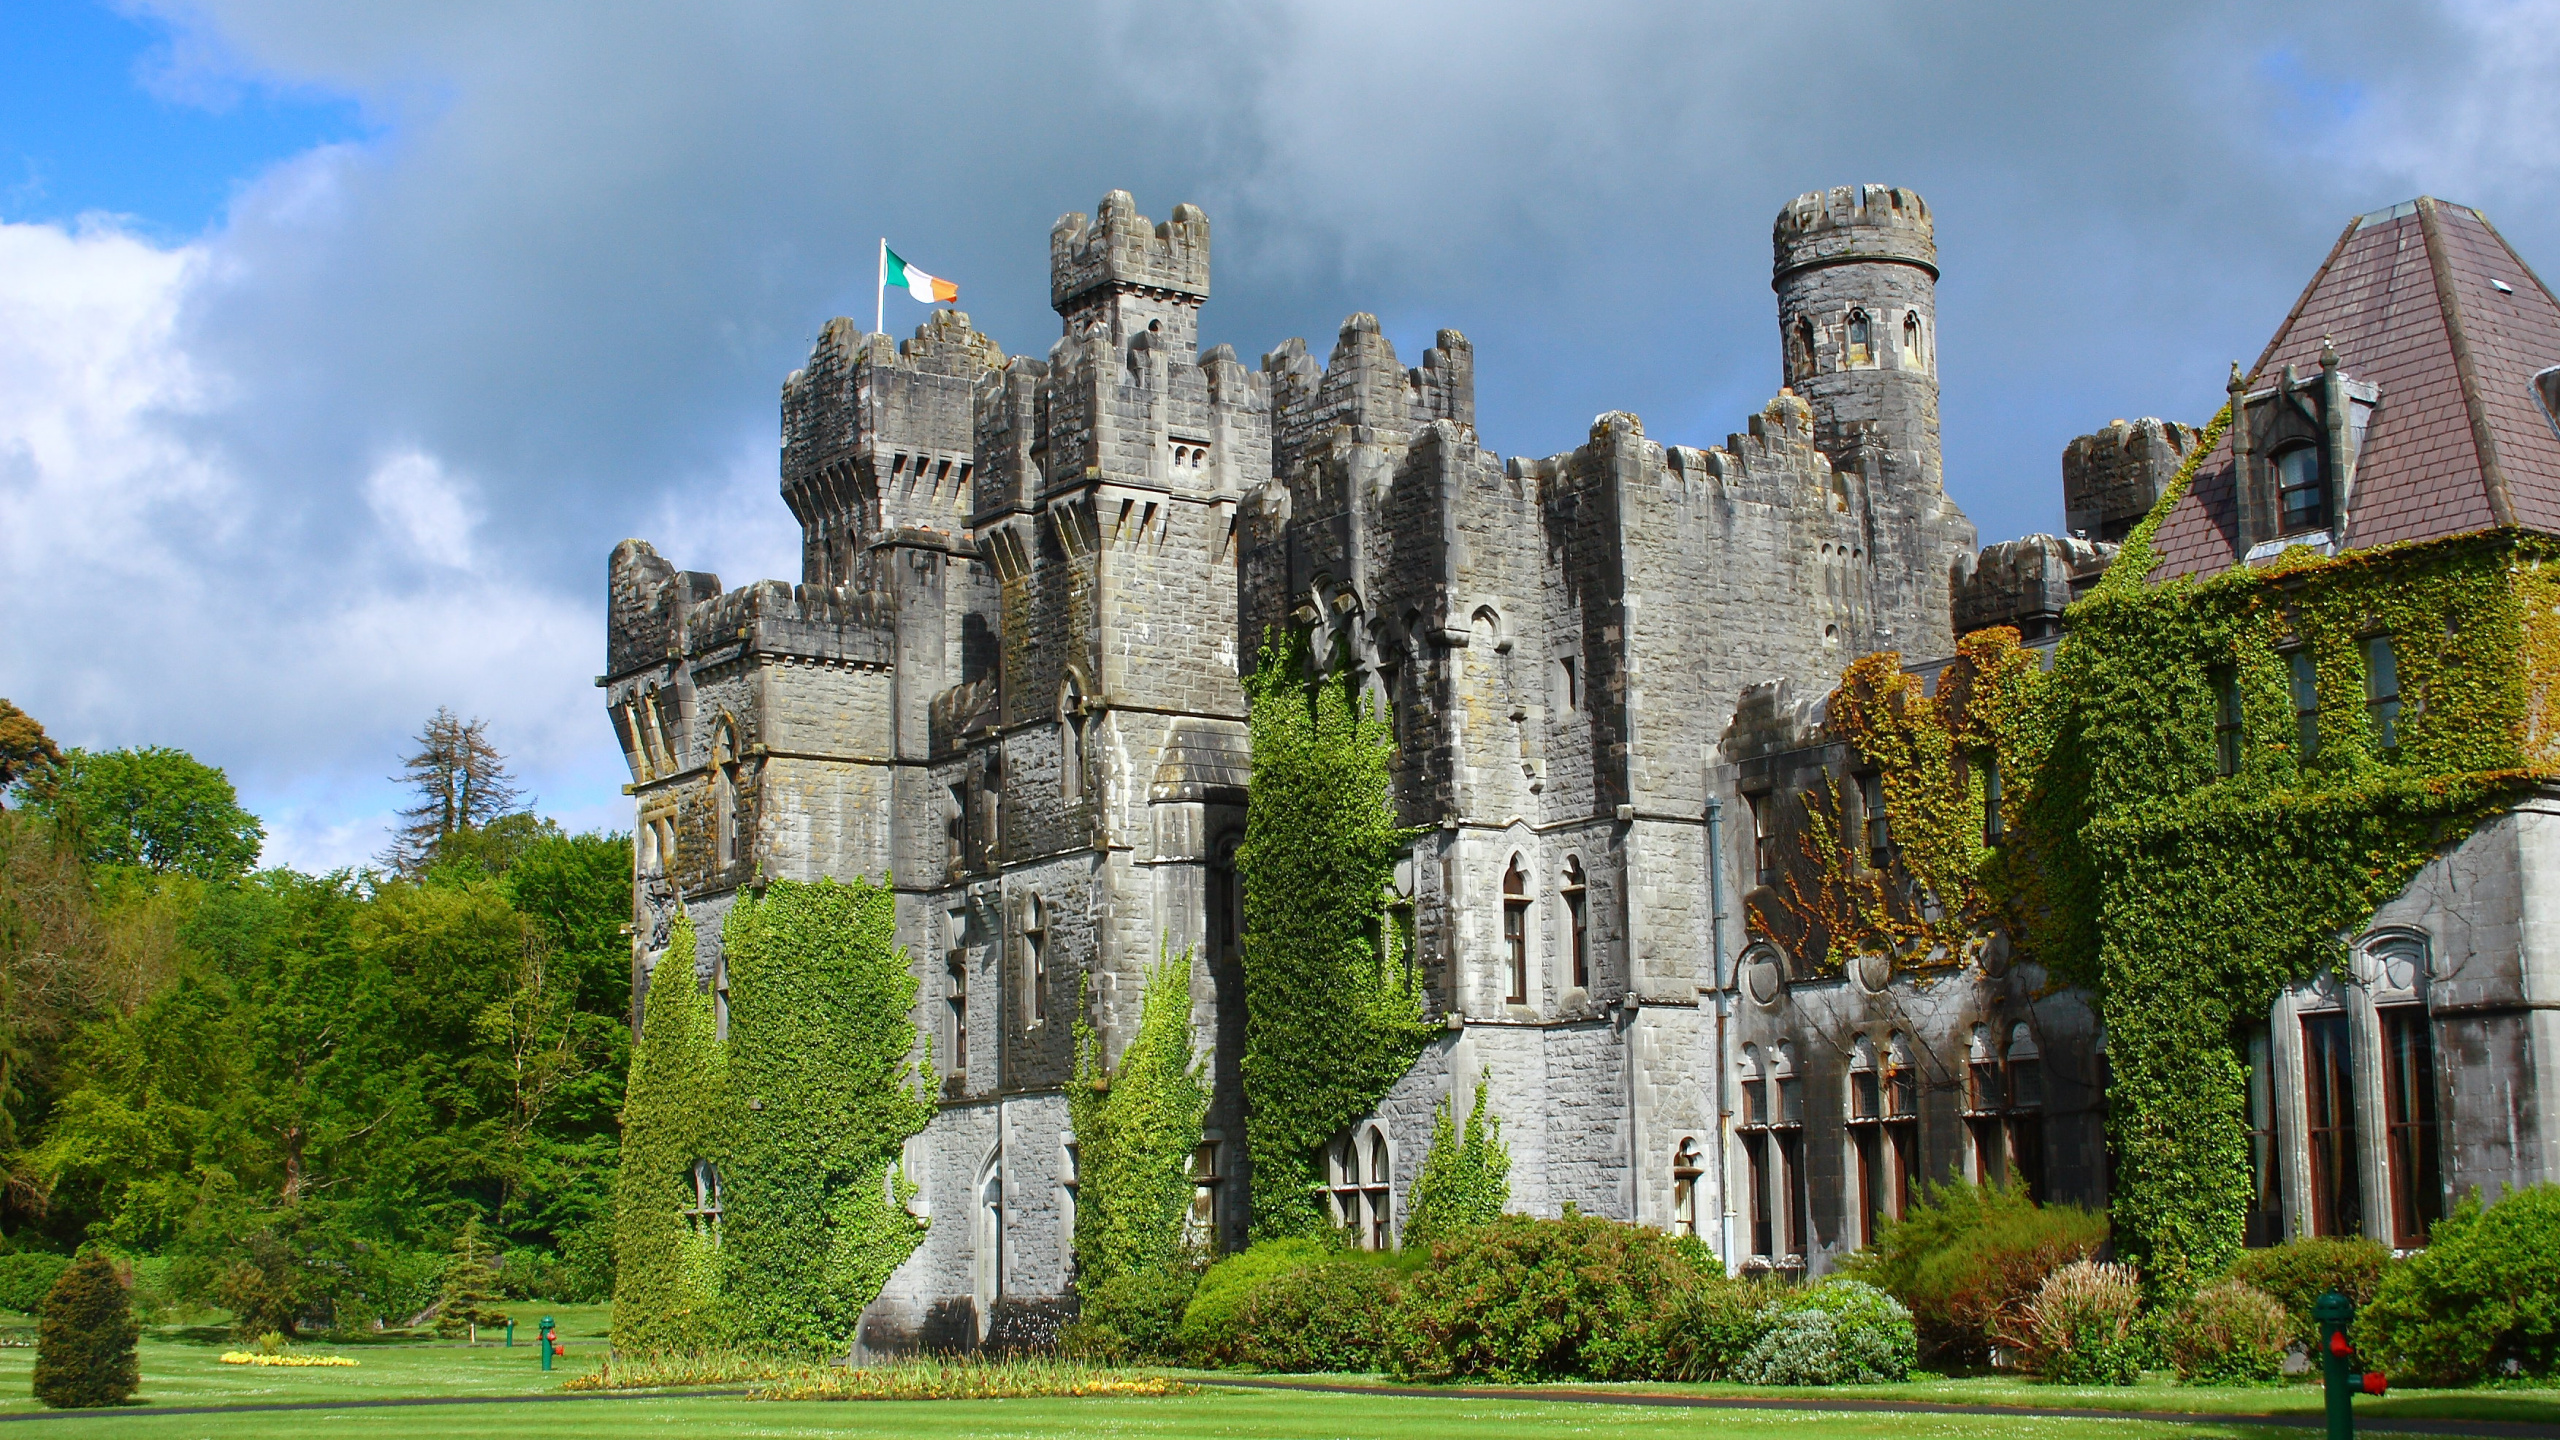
(898, 273)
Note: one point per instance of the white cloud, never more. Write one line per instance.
(414, 499)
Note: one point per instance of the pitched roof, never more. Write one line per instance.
(2427, 301)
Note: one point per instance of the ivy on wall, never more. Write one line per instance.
(1136, 1127)
(1466, 1174)
(824, 1091)
(1333, 1005)
(666, 1274)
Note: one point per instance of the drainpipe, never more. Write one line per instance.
(1724, 1106)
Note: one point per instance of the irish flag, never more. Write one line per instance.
(898, 273)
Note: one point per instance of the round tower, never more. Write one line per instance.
(1857, 280)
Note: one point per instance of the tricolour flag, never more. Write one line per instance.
(894, 271)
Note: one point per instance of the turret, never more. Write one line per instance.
(1857, 279)
(1115, 272)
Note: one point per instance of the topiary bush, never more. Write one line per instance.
(2078, 1329)
(1208, 1334)
(1966, 1259)
(1524, 1299)
(2298, 1272)
(1709, 1328)
(2481, 1301)
(1336, 1316)
(1840, 1332)
(27, 1277)
(2229, 1333)
(85, 1347)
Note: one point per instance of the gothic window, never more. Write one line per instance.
(1866, 1138)
(2302, 497)
(1515, 929)
(2265, 1223)
(1764, 840)
(955, 1001)
(1911, 352)
(1753, 1131)
(1992, 829)
(2304, 682)
(2329, 1105)
(1035, 959)
(1879, 824)
(1862, 346)
(1359, 1186)
(1787, 1127)
(1576, 891)
(2226, 720)
(1804, 346)
(2382, 690)
(2024, 1127)
(990, 806)
(1986, 1098)
(702, 1217)
(955, 832)
(1072, 743)
(2409, 1122)
(1226, 924)
(1568, 684)
(1901, 1125)
(1687, 1165)
(724, 791)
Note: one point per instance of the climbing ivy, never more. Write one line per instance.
(1136, 1127)
(1333, 1006)
(1466, 1176)
(666, 1268)
(824, 1091)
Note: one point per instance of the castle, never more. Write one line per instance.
(1008, 680)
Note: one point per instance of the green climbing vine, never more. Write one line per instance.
(823, 1093)
(666, 1275)
(1466, 1174)
(1136, 1127)
(1333, 1006)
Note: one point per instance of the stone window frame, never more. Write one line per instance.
(1862, 1097)
(1034, 932)
(1075, 738)
(1915, 341)
(2389, 968)
(1574, 888)
(2382, 699)
(1517, 898)
(1858, 353)
(1751, 1131)
(728, 834)
(955, 996)
(1902, 1133)
(1359, 1183)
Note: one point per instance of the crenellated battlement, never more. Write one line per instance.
(1851, 223)
(1364, 384)
(1116, 247)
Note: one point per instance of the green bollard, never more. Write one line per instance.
(546, 1342)
(511, 1333)
(2341, 1379)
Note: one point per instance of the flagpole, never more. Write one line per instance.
(880, 293)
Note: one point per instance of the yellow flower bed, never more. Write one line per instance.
(248, 1357)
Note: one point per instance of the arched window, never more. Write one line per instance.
(1072, 753)
(703, 1215)
(1804, 346)
(2302, 498)
(955, 997)
(1515, 928)
(1986, 1100)
(1866, 1137)
(1360, 1187)
(1901, 1124)
(1911, 353)
(2026, 1111)
(988, 1269)
(1577, 919)
(1035, 959)
(724, 790)
(1687, 1164)
(1753, 1130)
(1862, 340)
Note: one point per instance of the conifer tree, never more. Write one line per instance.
(666, 1277)
(1465, 1179)
(462, 784)
(470, 1286)
(85, 1346)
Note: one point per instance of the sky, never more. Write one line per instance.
(339, 344)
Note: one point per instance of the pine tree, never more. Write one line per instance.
(462, 784)
(1465, 1179)
(85, 1346)
(470, 1286)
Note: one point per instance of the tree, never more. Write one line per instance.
(470, 1286)
(84, 1349)
(462, 784)
(24, 747)
(154, 809)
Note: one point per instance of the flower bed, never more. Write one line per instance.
(251, 1357)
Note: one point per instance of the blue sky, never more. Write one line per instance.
(339, 344)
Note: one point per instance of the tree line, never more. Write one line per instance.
(295, 1091)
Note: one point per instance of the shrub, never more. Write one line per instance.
(1708, 1329)
(84, 1348)
(2298, 1272)
(1466, 1174)
(1131, 1317)
(26, 1277)
(470, 1284)
(1968, 1258)
(2078, 1328)
(1524, 1299)
(1335, 1316)
(266, 1286)
(2482, 1300)
(1840, 1332)
(1208, 1332)
(2229, 1333)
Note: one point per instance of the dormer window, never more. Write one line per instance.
(2302, 498)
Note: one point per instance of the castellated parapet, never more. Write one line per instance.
(2111, 479)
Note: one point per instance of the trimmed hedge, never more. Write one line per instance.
(2229, 1333)
(2482, 1301)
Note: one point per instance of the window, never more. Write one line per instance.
(724, 793)
(1901, 1126)
(1390, 692)
(1687, 1164)
(1804, 346)
(2305, 684)
(1911, 339)
(1866, 1140)
(1862, 346)
(955, 1001)
(1568, 684)
(2023, 1128)
(1577, 921)
(2265, 1223)
(2226, 720)
(1515, 928)
(702, 1217)
(1986, 1102)
(2329, 1103)
(2409, 1121)
(1225, 927)
(1788, 1128)
(1072, 721)
(1764, 839)
(955, 832)
(1879, 825)
(1035, 959)
(2382, 690)
(1359, 1187)
(2302, 500)
(1992, 830)
(1200, 1226)
(1753, 1129)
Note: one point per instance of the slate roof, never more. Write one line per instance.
(1203, 759)
(2413, 298)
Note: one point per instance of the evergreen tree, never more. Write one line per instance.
(470, 1286)
(666, 1279)
(85, 1346)
(1465, 1179)
(462, 784)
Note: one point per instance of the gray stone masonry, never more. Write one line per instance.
(2111, 479)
